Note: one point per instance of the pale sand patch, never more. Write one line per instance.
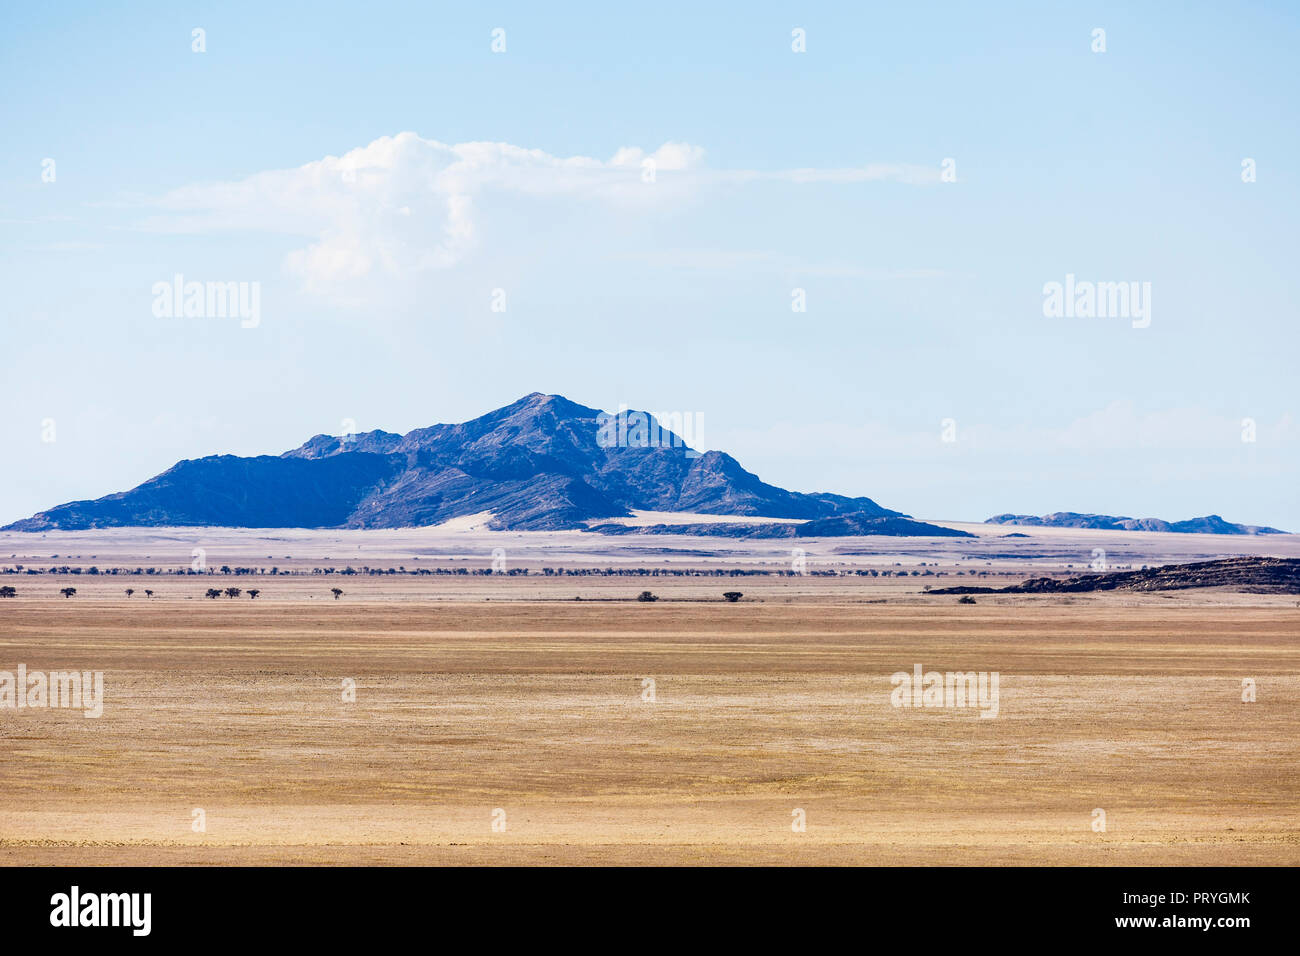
(642, 519)
(464, 524)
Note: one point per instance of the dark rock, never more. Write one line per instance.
(1262, 575)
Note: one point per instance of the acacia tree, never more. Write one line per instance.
(148, 593)
(67, 592)
(253, 593)
(337, 592)
(130, 591)
(213, 593)
(233, 592)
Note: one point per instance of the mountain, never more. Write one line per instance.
(1210, 524)
(541, 463)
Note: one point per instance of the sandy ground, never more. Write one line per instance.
(503, 699)
(466, 543)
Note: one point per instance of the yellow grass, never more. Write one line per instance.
(506, 694)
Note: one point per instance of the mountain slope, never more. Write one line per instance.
(541, 463)
(262, 492)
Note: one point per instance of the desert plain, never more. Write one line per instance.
(502, 718)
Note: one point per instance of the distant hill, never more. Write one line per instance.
(1210, 524)
(541, 463)
(1261, 575)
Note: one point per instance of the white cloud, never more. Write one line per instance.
(403, 204)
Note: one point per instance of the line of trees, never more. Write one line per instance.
(513, 572)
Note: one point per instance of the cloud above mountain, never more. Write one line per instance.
(404, 205)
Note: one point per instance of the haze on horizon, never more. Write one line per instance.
(436, 229)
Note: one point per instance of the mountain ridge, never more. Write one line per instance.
(1209, 524)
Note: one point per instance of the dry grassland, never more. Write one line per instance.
(487, 694)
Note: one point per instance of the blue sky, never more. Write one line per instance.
(275, 157)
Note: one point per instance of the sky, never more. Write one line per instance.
(825, 231)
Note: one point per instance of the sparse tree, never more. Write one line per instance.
(67, 592)
(148, 593)
(233, 592)
(213, 593)
(646, 596)
(253, 593)
(130, 591)
(8, 591)
(337, 592)
(732, 596)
